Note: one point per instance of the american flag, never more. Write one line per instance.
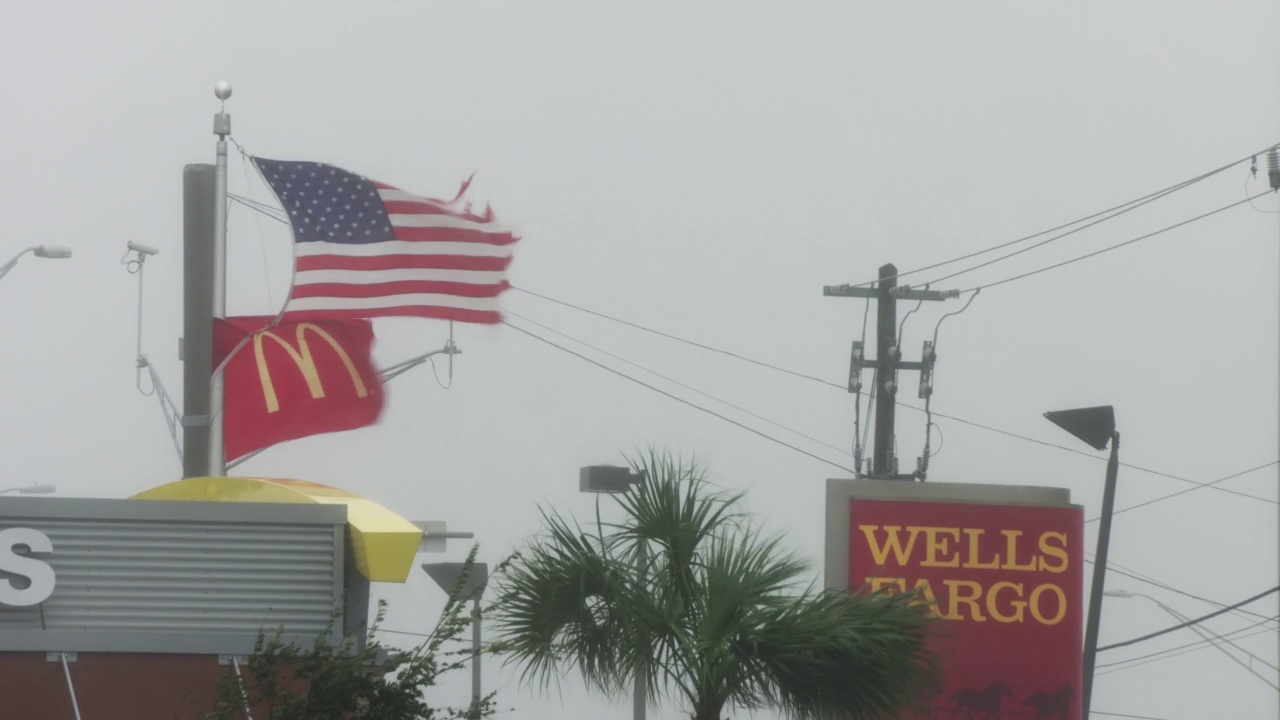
(365, 249)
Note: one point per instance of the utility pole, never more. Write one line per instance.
(1273, 174)
(888, 355)
(888, 361)
(204, 189)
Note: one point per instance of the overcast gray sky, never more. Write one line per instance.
(702, 168)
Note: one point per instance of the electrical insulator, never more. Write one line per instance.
(856, 360)
(895, 352)
(927, 358)
(890, 387)
(1273, 168)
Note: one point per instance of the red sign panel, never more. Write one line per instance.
(1007, 583)
(292, 380)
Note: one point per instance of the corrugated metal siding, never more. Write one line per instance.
(119, 576)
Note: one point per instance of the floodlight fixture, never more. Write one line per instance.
(51, 252)
(1094, 425)
(607, 479)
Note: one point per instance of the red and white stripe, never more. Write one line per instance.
(445, 262)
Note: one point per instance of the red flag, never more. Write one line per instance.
(294, 380)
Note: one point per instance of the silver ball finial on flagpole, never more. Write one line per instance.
(222, 89)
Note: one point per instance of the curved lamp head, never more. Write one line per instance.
(1095, 425)
(52, 252)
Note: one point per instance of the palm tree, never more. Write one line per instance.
(720, 618)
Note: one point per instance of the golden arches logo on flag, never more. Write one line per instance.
(299, 379)
(304, 361)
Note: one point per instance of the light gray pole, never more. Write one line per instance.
(640, 694)
(4, 269)
(1273, 176)
(218, 270)
(475, 655)
(448, 576)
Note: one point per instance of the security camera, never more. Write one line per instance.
(142, 249)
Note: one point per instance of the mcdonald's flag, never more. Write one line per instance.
(294, 380)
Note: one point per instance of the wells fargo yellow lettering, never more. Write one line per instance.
(892, 542)
(993, 603)
(984, 598)
(879, 583)
(303, 359)
(963, 547)
(1004, 601)
(937, 541)
(1058, 551)
(1035, 604)
(956, 599)
(1011, 552)
(900, 584)
(974, 536)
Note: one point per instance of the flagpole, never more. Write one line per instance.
(218, 272)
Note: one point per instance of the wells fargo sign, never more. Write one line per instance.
(1006, 583)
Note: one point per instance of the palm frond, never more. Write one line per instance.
(827, 655)
(686, 589)
(562, 601)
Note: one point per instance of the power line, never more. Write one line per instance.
(1143, 200)
(1147, 579)
(1120, 245)
(768, 437)
(675, 382)
(842, 387)
(1124, 715)
(674, 337)
(1193, 489)
(1072, 450)
(1240, 634)
(676, 397)
(1189, 623)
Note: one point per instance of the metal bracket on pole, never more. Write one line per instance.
(435, 535)
(400, 368)
(64, 658)
(234, 661)
(172, 417)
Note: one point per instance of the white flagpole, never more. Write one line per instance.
(218, 271)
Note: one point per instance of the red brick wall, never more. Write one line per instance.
(109, 686)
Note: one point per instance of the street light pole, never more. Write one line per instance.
(448, 576)
(1096, 426)
(49, 252)
(610, 479)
